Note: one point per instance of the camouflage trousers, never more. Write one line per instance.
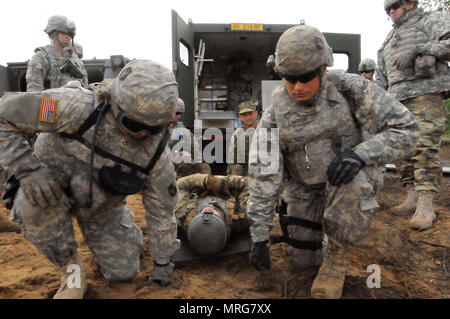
(423, 168)
(345, 212)
(109, 231)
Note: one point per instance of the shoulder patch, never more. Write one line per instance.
(48, 110)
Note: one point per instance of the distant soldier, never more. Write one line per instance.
(333, 138)
(241, 139)
(182, 140)
(367, 68)
(78, 50)
(56, 64)
(414, 61)
(96, 146)
(210, 210)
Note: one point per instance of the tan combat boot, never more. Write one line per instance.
(408, 206)
(7, 226)
(424, 216)
(64, 292)
(330, 278)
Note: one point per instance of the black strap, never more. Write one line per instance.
(290, 220)
(90, 121)
(300, 244)
(161, 146)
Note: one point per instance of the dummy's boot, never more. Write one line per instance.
(7, 226)
(72, 287)
(329, 281)
(424, 216)
(408, 206)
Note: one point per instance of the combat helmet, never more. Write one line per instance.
(388, 3)
(180, 108)
(146, 92)
(208, 233)
(61, 24)
(367, 65)
(302, 49)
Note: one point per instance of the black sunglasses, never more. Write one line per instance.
(179, 113)
(135, 127)
(367, 71)
(303, 78)
(395, 6)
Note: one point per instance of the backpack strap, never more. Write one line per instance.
(90, 121)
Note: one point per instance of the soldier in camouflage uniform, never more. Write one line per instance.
(210, 210)
(241, 138)
(183, 145)
(367, 68)
(414, 61)
(56, 64)
(333, 138)
(127, 122)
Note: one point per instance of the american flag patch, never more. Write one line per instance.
(48, 110)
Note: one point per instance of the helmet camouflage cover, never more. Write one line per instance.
(61, 24)
(367, 65)
(388, 3)
(146, 91)
(180, 106)
(302, 49)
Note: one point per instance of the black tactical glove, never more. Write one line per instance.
(344, 168)
(259, 256)
(406, 60)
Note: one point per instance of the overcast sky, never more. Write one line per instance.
(142, 29)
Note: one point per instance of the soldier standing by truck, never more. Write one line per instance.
(414, 60)
(333, 139)
(182, 142)
(56, 64)
(242, 138)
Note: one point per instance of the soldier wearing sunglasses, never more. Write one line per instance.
(334, 137)
(414, 60)
(96, 146)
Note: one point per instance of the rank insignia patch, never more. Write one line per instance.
(48, 110)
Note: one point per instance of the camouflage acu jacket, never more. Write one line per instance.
(44, 72)
(419, 28)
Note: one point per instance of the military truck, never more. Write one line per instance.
(12, 77)
(207, 58)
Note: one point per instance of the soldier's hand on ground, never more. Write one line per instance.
(344, 168)
(161, 273)
(218, 186)
(259, 256)
(41, 187)
(406, 60)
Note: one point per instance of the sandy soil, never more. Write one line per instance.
(413, 264)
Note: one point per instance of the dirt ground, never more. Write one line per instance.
(413, 264)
